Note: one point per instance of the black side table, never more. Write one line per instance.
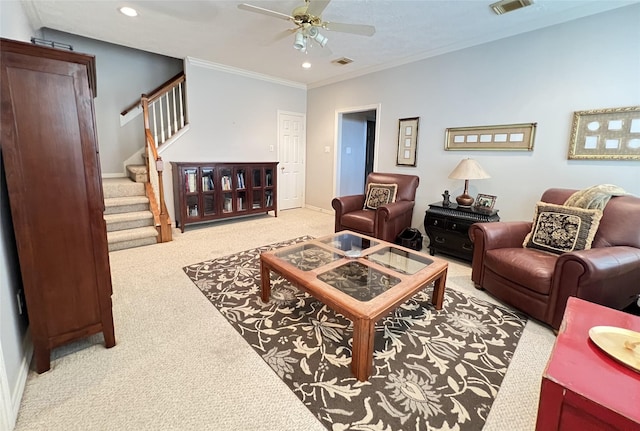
(448, 228)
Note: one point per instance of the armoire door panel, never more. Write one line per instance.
(52, 168)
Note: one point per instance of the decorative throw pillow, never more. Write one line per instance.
(380, 194)
(559, 229)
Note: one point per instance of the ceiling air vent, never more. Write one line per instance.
(504, 6)
(343, 61)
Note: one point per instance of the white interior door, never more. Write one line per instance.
(291, 152)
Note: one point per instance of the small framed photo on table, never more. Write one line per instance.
(484, 202)
(407, 141)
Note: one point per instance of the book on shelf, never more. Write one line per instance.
(240, 204)
(226, 182)
(190, 181)
(228, 205)
(240, 178)
(192, 211)
(269, 200)
(207, 183)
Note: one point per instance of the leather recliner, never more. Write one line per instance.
(385, 222)
(539, 283)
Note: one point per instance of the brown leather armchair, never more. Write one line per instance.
(388, 220)
(539, 283)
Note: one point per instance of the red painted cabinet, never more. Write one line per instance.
(583, 388)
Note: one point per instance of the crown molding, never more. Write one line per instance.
(246, 73)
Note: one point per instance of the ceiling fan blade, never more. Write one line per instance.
(316, 7)
(283, 34)
(361, 29)
(264, 11)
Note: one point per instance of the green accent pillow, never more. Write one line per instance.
(380, 194)
(560, 229)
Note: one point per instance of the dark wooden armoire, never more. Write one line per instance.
(52, 167)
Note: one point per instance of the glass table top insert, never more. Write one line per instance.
(348, 242)
(308, 257)
(400, 260)
(359, 281)
(354, 277)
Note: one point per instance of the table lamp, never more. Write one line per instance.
(467, 169)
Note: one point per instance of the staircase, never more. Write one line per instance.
(135, 209)
(127, 213)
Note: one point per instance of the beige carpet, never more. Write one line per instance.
(178, 364)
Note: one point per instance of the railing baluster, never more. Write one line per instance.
(175, 114)
(155, 123)
(169, 133)
(180, 86)
(161, 123)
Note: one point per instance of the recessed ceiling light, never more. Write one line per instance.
(306, 65)
(128, 11)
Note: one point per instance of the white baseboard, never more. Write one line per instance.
(18, 391)
(115, 175)
(10, 398)
(7, 421)
(322, 210)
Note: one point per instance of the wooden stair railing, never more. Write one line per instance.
(164, 115)
(154, 189)
(164, 109)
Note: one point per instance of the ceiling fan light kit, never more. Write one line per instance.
(300, 43)
(317, 36)
(308, 20)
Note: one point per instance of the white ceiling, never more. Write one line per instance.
(219, 32)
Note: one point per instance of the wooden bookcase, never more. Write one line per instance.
(210, 191)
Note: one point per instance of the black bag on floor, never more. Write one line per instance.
(411, 238)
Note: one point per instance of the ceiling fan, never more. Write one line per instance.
(308, 21)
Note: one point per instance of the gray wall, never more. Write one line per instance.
(123, 74)
(541, 76)
(233, 117)
(13, 326)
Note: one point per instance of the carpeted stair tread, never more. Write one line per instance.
(119, 187)
(137, 173)
(126, 204)
(129, 216)
(132, 234)
(129, 238)
(128, 220)
(126, 200)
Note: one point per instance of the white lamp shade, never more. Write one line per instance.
(468, 169)
(299, 43)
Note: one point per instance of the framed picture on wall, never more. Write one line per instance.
(606, 134)
(510, 137)
(407, 141)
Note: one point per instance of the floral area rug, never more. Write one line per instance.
(433, 369)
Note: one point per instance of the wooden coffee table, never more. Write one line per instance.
(361, 277)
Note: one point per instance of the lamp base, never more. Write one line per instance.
(464, 200)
